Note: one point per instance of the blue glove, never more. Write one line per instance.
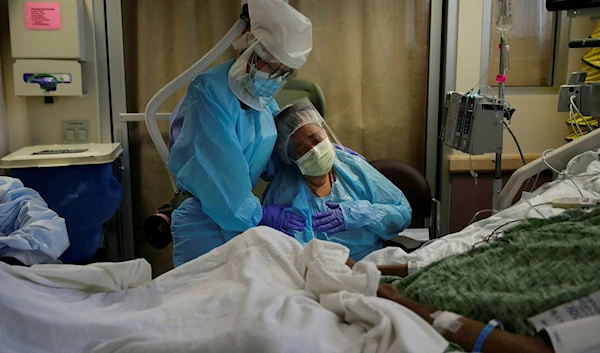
(347, 150)
(277, 218)
(331, 221)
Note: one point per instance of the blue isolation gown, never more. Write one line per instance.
(374, 209)
(29, 231)
(218, 157)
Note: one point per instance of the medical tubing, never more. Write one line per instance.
(572, 100)
(178, 82)
(560, 172)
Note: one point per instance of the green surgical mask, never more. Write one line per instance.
(318, 161)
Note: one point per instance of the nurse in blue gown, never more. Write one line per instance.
(223, 133)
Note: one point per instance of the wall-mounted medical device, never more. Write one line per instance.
(48, 43)
(585, 96)
(560, 5)
(473, 123)
(576, 8)
(576, 94)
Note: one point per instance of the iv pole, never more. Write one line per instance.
(497, 182)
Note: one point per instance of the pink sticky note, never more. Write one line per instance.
(500, 78)
(42, 15)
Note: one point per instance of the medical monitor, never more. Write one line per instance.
(560, 5)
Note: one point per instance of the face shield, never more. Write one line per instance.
(284, 32)
(256, 76)
(279, 42)
(267, 63)
(312, 151)
(244, 41)
(262, 58)
(302, 140)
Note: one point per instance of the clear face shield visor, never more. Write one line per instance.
(301, 129)
(256, 77)
(305, 139)
(266, 63)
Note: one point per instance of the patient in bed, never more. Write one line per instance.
(342, 197)
(30, 232)
(534, 267)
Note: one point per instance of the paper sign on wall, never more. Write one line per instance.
(42, 15)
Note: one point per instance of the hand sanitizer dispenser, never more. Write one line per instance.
(48, 42)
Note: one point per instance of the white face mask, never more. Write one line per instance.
(318, 161)
(260, 84)
(238, 78)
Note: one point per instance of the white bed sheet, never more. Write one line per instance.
(260, 292)
(584, 164)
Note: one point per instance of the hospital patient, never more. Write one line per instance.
(533, 268)
(341, 197)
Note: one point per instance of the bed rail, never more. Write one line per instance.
(557, 158)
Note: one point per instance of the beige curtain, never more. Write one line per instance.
(369, 57)
(4, 40)
(4, 145)
(531, 42)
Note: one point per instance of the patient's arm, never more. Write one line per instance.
(399, 270)
(497, 341)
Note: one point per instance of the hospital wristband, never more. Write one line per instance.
(485, 333)
(444, 321)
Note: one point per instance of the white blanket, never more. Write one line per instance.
(260, 292)
(585, 164)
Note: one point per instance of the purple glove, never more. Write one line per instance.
(283, 221)
(347, 150)
(331, 221)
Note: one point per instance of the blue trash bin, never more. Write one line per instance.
(83, 190)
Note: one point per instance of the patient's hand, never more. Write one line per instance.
(387, 291)
(350, 263)
(498, 341)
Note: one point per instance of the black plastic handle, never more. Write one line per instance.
(585, 43)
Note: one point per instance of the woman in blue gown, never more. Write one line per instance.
(340, 196)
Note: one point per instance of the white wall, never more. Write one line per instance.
(30, 120)
(536, 123)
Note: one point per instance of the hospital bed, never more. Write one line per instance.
(557, 158)
(585, 162)
(259, 292)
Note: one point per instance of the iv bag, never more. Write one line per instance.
(504, 19)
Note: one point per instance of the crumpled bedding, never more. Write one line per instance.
(260, 292)
(29, 231)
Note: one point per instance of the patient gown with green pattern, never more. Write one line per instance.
(536, 266)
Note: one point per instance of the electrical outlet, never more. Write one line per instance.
(76, 131)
